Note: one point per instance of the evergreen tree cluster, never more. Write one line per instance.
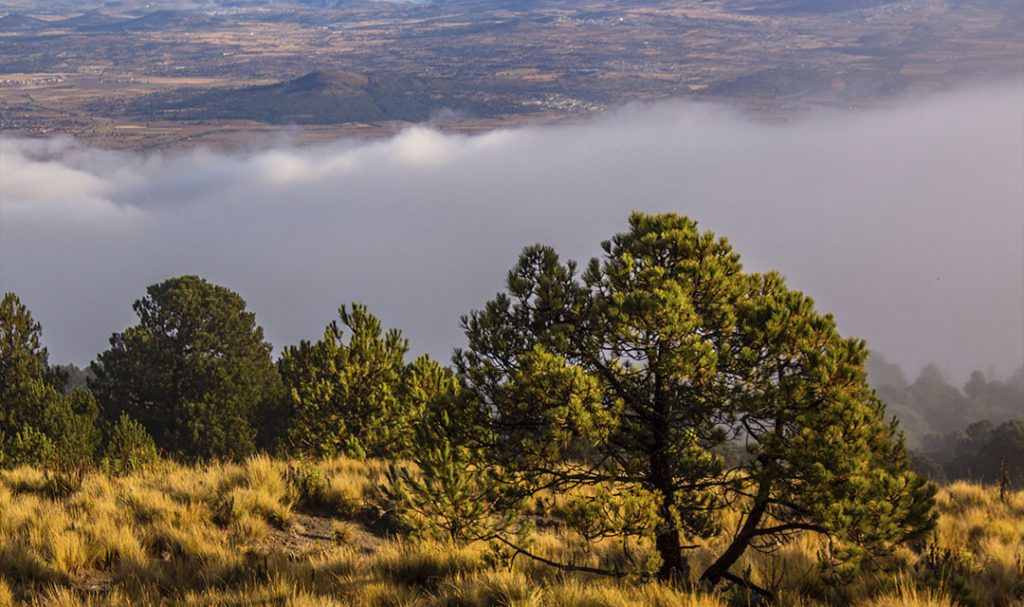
(652, 391)
(39, 422)
(975, 433)
(982, 452)
(930, 407)
(195, 380)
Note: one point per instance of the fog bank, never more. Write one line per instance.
(907, 223)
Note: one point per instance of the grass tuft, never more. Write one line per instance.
(267, 532)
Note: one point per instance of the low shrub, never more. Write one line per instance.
(129, 449)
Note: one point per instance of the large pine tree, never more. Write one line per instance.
(195, 371)
(641, 371)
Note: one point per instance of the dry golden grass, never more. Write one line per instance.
(906, 594)
(6, 596)
(241, 534)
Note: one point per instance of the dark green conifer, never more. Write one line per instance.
(358, 398)
(195, 371)
(640, 370)
(39, 424)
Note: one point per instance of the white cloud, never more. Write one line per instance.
(907, 222)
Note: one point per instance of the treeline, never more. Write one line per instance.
(195, 379)
(930, 406)
(982, 452)
(652, 391)
(975, 433)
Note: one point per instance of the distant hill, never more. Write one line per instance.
(17, 22)
(89, 20)
(321, 97)
(157, 21)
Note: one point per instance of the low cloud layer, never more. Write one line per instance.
(907, 223)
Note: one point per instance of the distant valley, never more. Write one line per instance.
(141, 75)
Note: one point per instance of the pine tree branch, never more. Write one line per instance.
(735, 579)
(790, 527)
(562, 566)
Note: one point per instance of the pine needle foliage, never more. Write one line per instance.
(640, 370)
(129, 448)
(358, 398)
(39, 423)
(451, 493)
(195, 371)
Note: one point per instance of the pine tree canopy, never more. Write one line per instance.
(358, 398)
(195, 371)
(641, 371)
(39, 424)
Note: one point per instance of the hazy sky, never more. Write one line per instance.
(907, 223)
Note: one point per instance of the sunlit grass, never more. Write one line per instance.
(241, 534)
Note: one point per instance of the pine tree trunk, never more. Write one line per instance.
(720, 568)
(667, 542)
(673, 565)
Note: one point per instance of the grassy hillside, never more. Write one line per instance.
(281, 533)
